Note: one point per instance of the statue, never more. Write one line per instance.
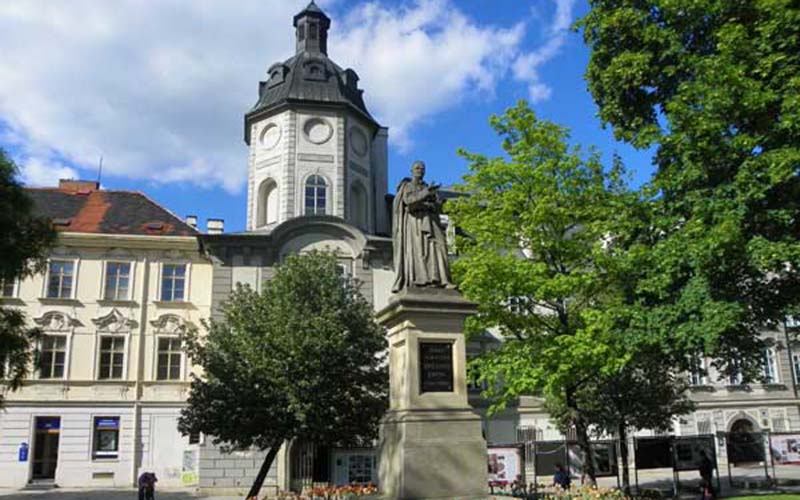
(420, 248)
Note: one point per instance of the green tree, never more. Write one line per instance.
(647, 393)
(302, 359)
(714, 87)
(25, 239)
(541, 265)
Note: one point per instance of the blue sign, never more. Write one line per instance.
(48, 423)
(107, 422)
(23, 452)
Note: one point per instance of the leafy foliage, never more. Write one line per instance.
(540, 225)
(646, 394)
(25, 240)
(303, 358)
(714, 86)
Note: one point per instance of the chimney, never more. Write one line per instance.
(78, 185)
(215, 226)
(191, 220)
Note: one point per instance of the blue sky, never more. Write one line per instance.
(159, 89)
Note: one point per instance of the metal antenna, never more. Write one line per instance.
(100, 170)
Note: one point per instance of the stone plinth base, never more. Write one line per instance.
(432, 454)
(431, 441)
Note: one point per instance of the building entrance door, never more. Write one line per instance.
(308, 465)
(45, 447)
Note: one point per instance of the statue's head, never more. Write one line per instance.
(418, 169)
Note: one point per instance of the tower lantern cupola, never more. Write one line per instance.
(311, 30)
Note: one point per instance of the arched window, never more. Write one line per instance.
(358, 206)
(316, 195)
(267, 203)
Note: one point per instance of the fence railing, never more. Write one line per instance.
(668, 463)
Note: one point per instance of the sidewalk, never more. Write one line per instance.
(110, 494)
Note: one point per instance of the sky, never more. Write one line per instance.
(158, 90)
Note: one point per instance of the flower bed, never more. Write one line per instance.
(330, 492)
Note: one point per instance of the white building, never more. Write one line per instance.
(124, 281)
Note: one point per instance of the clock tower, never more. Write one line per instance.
(314, 149)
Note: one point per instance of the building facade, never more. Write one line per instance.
(127, 278)
(124, 282)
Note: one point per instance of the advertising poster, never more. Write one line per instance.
(605, 459)
(785, 448)
(691, 452)
(505, 464)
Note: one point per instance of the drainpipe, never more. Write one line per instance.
(791, 358)
(136, 462)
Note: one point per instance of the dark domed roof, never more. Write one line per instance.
(309, 77)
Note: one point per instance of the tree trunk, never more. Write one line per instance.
(582, 435)
(262, 473)
(622, 434)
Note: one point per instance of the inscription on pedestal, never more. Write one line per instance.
(436, 367)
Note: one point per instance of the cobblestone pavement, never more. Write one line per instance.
(118, 494)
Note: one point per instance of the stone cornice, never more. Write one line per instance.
(129, 241)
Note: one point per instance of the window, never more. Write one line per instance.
(173, 282)
(267, 203)
(704, 424)
(770, 366)
(106, 437)
(360, 469)
(8, 288)
(315, 195)
(796, 366)
(54, 354)
(358, 205)
(59, 279)
(735, 378)
(697, 374)
(112, 357)
(118, 275)
(519, 305)
(169, 358)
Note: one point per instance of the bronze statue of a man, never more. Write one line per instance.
(420, 248)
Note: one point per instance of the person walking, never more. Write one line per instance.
(561, 477)
(147, 486)
(706, 470)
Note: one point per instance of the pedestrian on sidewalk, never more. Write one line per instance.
(147, 486)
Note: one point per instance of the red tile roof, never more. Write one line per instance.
(75, 208)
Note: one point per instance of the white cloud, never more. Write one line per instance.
(527, 67)
(418, 60)
(159, 88)
(37, 172)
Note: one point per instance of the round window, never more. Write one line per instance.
(318, 130)
(270, 136)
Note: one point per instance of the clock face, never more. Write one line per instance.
(270, 136)
(358, 141)
(317, 130)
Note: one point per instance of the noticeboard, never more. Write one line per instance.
(653, 453)
(436, 367)
(745, 447)
(785, 448)
(505, 464)
(692, 451)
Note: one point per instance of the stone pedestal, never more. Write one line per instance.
(431, 441)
